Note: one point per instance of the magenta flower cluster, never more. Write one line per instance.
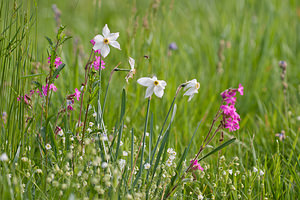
(70, 99)
(57, 62)
(231, 118)
(96, 64)
(196, 165)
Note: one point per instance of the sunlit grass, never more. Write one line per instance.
(256, 36)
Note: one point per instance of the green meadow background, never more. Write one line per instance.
(257, 35)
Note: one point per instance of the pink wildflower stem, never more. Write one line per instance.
(201, 148)
(87, 70)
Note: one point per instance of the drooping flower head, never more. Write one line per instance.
(153, 85)
(101, 42)
(132, 69)
(192, 88)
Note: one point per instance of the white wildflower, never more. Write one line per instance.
(122, 163)
(4, 157)
(261, 172)
(153, 85)
(132, 70)
(147, 166)
(48, 146)
(104, 165)
(192, 88)
(125, 153)
(61, 132)
(255, 169)
(102, 42)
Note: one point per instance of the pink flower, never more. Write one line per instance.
(96, 63)
(196, 165)
(57, 61)
(230, 117)
(241, 89)
(52, 86)
(70, 107)
(77, 94)
(93, 42)
(45, 89)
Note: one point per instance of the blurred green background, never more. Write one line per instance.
(256, 34)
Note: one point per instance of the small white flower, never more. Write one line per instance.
(104, 165)
(224, 173)
(169, 162)
(4, 157)
(94, 114)
(147, 134)
(125, 153)
(298, 118)
(170, 150)
(132, 70)
(200, 197)
(91, 124)
(24, 159)
(122, 163)
(192, 88)
(153, 85)
(60, 133)
(261, 172)
(48, 146)
(230, 171)
(121, 143)
(147, 166)
(102, 42)
(39, 171)
(79, 173)
(89, 130)
(103, 137)
(255, 169)
(172, 157)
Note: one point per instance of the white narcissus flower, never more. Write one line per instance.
(153, 85)
(102, 42)
(192, 88)
(132, 70)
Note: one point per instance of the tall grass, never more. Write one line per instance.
(256, 36)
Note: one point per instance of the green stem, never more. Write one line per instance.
(142, 154)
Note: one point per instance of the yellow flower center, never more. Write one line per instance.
(156, 83)
(106, 41)
(197, 86)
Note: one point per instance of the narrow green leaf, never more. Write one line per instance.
(49, 40)
(57, 70)
(32, 75)
(119, 139)
(218, 148)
